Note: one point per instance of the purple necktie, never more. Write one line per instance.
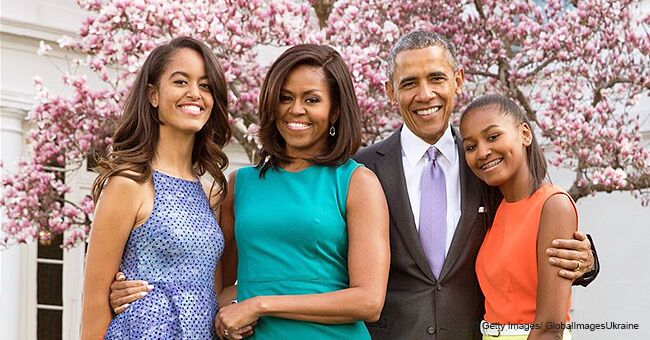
(433, 213)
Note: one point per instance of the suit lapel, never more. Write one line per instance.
(470, 200)
(391, 174)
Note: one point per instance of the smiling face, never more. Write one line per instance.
(303, 113)
(424, 85)
(183, 95)
(495, 148)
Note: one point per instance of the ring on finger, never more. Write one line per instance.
(226, 333)
(578, 267)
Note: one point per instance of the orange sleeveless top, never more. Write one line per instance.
(506, 265)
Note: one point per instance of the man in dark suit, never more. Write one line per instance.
(425, 302)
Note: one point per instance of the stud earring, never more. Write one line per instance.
(332, 131)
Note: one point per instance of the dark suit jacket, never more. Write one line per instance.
(417, 305)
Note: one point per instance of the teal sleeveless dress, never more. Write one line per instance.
(291, 235)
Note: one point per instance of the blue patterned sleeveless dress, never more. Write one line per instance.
(176, 250)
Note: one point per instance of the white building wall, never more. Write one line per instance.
(617, 221)
(12, 296)
(21, 29)
(619, 225)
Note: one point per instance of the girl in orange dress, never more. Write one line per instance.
(524, 296)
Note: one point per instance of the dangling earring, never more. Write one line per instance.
(332, 131)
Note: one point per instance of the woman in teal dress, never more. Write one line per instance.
(311, 250)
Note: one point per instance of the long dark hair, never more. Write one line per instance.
(338, 148)
(136, 137)
(534, 154)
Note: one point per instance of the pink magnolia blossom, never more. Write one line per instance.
(578, 69)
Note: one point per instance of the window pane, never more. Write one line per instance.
(49, 324)
(53, 251)
(49, 284)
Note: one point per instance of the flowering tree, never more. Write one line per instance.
(576, 67)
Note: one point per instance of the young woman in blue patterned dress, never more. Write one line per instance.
(154, 218)
(310, 224)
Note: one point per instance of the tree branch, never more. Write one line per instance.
(576, 192)
(323, 9)
(250, 146)
(503, 72)
(521, 98)
(598, 95)
(479, 8)
(514, 90)
(542, 65)
(482, 73)
(65, 201)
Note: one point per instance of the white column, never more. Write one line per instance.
(12, 293)
(73, 267)
(80, 183)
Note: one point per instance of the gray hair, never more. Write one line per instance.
(417, 40)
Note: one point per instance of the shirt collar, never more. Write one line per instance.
(414, 147)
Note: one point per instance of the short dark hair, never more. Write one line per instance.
(338, 148)
(416, 40)
(534, 154)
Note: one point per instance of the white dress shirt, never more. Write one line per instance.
(414, 160)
